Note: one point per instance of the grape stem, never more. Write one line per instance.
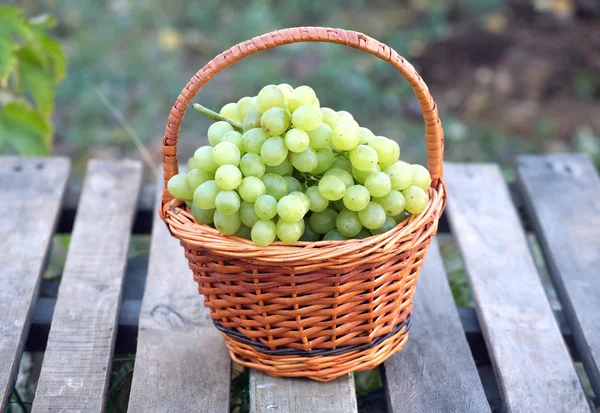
(217, 117)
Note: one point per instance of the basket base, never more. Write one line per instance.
(320, 368)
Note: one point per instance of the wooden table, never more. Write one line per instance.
(181, 363)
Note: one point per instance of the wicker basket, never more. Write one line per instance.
(321, 309)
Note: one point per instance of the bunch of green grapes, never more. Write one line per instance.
(280, 167)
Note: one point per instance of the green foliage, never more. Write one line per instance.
(31, 66)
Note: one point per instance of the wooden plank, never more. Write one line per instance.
(31, 190)
(77, 362)
(276, 394)
(182, 363)
(562, 194)
(435, 371)
(532, 364)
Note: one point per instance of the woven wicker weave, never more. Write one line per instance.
(321, 309)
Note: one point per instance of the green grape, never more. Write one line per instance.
(226, 153)
(363, 158)
(291, 208)
(421, 177)
(364, 134)
(286, 90)
(305, 161)
(204, 216)
(275, 121)
(378, 184)
(302, 95)
(247, 214)
(244, 232)
(290, 231)
(205, 195)
(347, 223)
(263, 233)
(323, 222)
(284, 168)
(177, 187)
(363, 233)
(416, 199)
(227, 224)
(332, 188)
(317, 103)
(356, 198)
(373, 216)
(400, 174)
(342, 114)
(231, 111)
(347, 121)
(303, 197)
(401, 216)
(253, 139)
(345, 176)
(393, 203)
(345, 137)
(385, 148)
(203, 159)
(265, 207)
(190, 164)
(296, 140)
(317, 202)
(325, 158)
(252, 165)
(273, 151)
(330, 117)
(307, 118)
(361, 176)
(387, 225)
(227, 202)
(269, 97)
(334, 235)
(195, 177)
(293, 184)
(234, 137)
(217, 130)
(276, 185)
(342, 163)
(320, 137)
(338, 205)
(246, 105)
(309, 234)
(252, 121)
(251, 188)
(228, 177)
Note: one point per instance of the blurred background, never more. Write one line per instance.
(98, 78)
(509, 76)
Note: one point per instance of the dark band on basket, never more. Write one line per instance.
(312, 353)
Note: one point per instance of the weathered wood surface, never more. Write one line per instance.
(31, 190)
(562, 195)
(182, 364)
(532, 364)
(275, 394)
(435, 371)
(77, 362)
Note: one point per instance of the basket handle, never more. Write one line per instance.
(434, 135)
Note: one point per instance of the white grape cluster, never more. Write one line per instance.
(296, 171)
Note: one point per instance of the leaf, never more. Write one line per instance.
(54, 54)
(12, 23)
(12, 27)
(25, 128)
(34, 79)
(7, 59)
